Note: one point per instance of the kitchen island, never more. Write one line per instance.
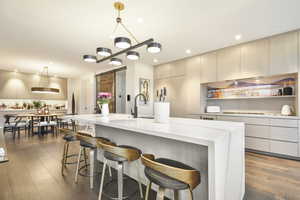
(215, 148)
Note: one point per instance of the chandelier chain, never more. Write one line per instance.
(127, 30)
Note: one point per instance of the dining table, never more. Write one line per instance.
(43, 117)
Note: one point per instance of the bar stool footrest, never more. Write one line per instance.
(110, 189)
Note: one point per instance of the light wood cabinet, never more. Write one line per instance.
(284, 53)
(192, 85)
(162, 71)
(229, 63)
(255, 59)
(208, 67)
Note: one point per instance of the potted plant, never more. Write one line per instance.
(37, 104)
(103, 99)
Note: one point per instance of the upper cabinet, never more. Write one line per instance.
(229, 63)
(255, 59)
(168, 70)
(284, 53)
(208, 67)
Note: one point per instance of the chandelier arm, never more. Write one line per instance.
(127, 30)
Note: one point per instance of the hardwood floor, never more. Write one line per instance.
(33, 173)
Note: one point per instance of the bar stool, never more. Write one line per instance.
(119, 154)
(68, 137)
(169, 174)
(88, 142)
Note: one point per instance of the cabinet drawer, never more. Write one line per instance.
(232, 119)
(257, 144)
(283, 133)
(258, 121)
(284, 122)
(285, 148)
(257, 131)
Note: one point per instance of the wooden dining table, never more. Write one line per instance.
(42, 116)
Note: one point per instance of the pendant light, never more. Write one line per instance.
(102, 51)
(154, 47)
(132, 55)
(122, 42)
(90, 58)
(115, 61)
(46, 89)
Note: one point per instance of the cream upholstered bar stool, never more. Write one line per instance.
(90, 143)
(119, 154)
(169, 174)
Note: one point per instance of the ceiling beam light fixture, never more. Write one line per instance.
(46, 89)
(123, 43)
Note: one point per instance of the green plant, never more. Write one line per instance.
(37, 104)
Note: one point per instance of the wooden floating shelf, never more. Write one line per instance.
(253, 97)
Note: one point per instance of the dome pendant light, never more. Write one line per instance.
(122, 42)
(90, 58)
(104, 51)
(115, 61)
(132, 55)
(154, 47)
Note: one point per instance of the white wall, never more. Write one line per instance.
(84, 89)
(133, 74)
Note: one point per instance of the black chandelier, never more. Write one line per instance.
(122, 43)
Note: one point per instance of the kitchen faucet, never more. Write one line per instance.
(135, 113)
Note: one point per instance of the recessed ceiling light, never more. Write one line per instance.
(140, 20)
(155, 60)
(238, 37)
(188, 51)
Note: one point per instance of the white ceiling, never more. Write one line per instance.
(57, 33)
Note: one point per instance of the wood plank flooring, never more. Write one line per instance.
(33, 173)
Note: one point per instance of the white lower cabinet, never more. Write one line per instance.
(273, 135)
(257, 131)
(284, 134)
(257, 144)
(284, 148)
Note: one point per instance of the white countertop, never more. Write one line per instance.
(251, 115)
(224, 142)
(189, 130)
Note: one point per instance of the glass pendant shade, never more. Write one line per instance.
(132, 55)
(154, 47)
(122, 42)
(90, 58)
(115, 61)
(104, 51)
